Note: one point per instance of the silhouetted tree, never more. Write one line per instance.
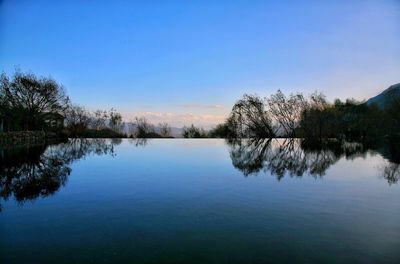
(393, 114)
(224, 130)
(314, 117)
(286, 111)
(99, 119)
(193, 132)
(28, 97)
(165, 129)
(115, 120)
(143, 129)
(4, 112)
(77, 120)
(249, 118)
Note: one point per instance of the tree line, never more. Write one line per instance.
(312, 117)
(28, 102)
(31, 103)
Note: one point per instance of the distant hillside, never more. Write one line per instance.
(175, 131)
(384, 97)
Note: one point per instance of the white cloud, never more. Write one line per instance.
(202, 106)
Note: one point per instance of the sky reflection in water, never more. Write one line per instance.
(199, 201)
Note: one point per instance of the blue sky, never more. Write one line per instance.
(189, 61)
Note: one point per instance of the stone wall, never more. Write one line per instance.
(22, 137)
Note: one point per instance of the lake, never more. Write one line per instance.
(199, 201)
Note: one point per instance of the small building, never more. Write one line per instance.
(54, 120)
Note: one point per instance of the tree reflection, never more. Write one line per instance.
(296, 157)
(391, 172)
(280, 157)
(39, 171)
(139, 142)
(250, 155)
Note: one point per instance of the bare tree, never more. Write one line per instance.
(318, 101)
(33, 97)
(286, 111)
(115, 120)
(98, 120)
(77, 119)
(249, 118)
(142, 127)
(165, 129)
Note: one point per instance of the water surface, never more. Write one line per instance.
(199, 201)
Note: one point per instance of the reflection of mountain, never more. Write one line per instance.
(295, 157)
(31, 172)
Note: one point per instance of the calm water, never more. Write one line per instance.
(199, 201)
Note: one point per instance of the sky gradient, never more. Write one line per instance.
(188, 63)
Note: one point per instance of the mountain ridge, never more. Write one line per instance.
(382, 99)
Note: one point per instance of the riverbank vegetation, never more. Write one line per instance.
(31, 103)
(312, 118)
